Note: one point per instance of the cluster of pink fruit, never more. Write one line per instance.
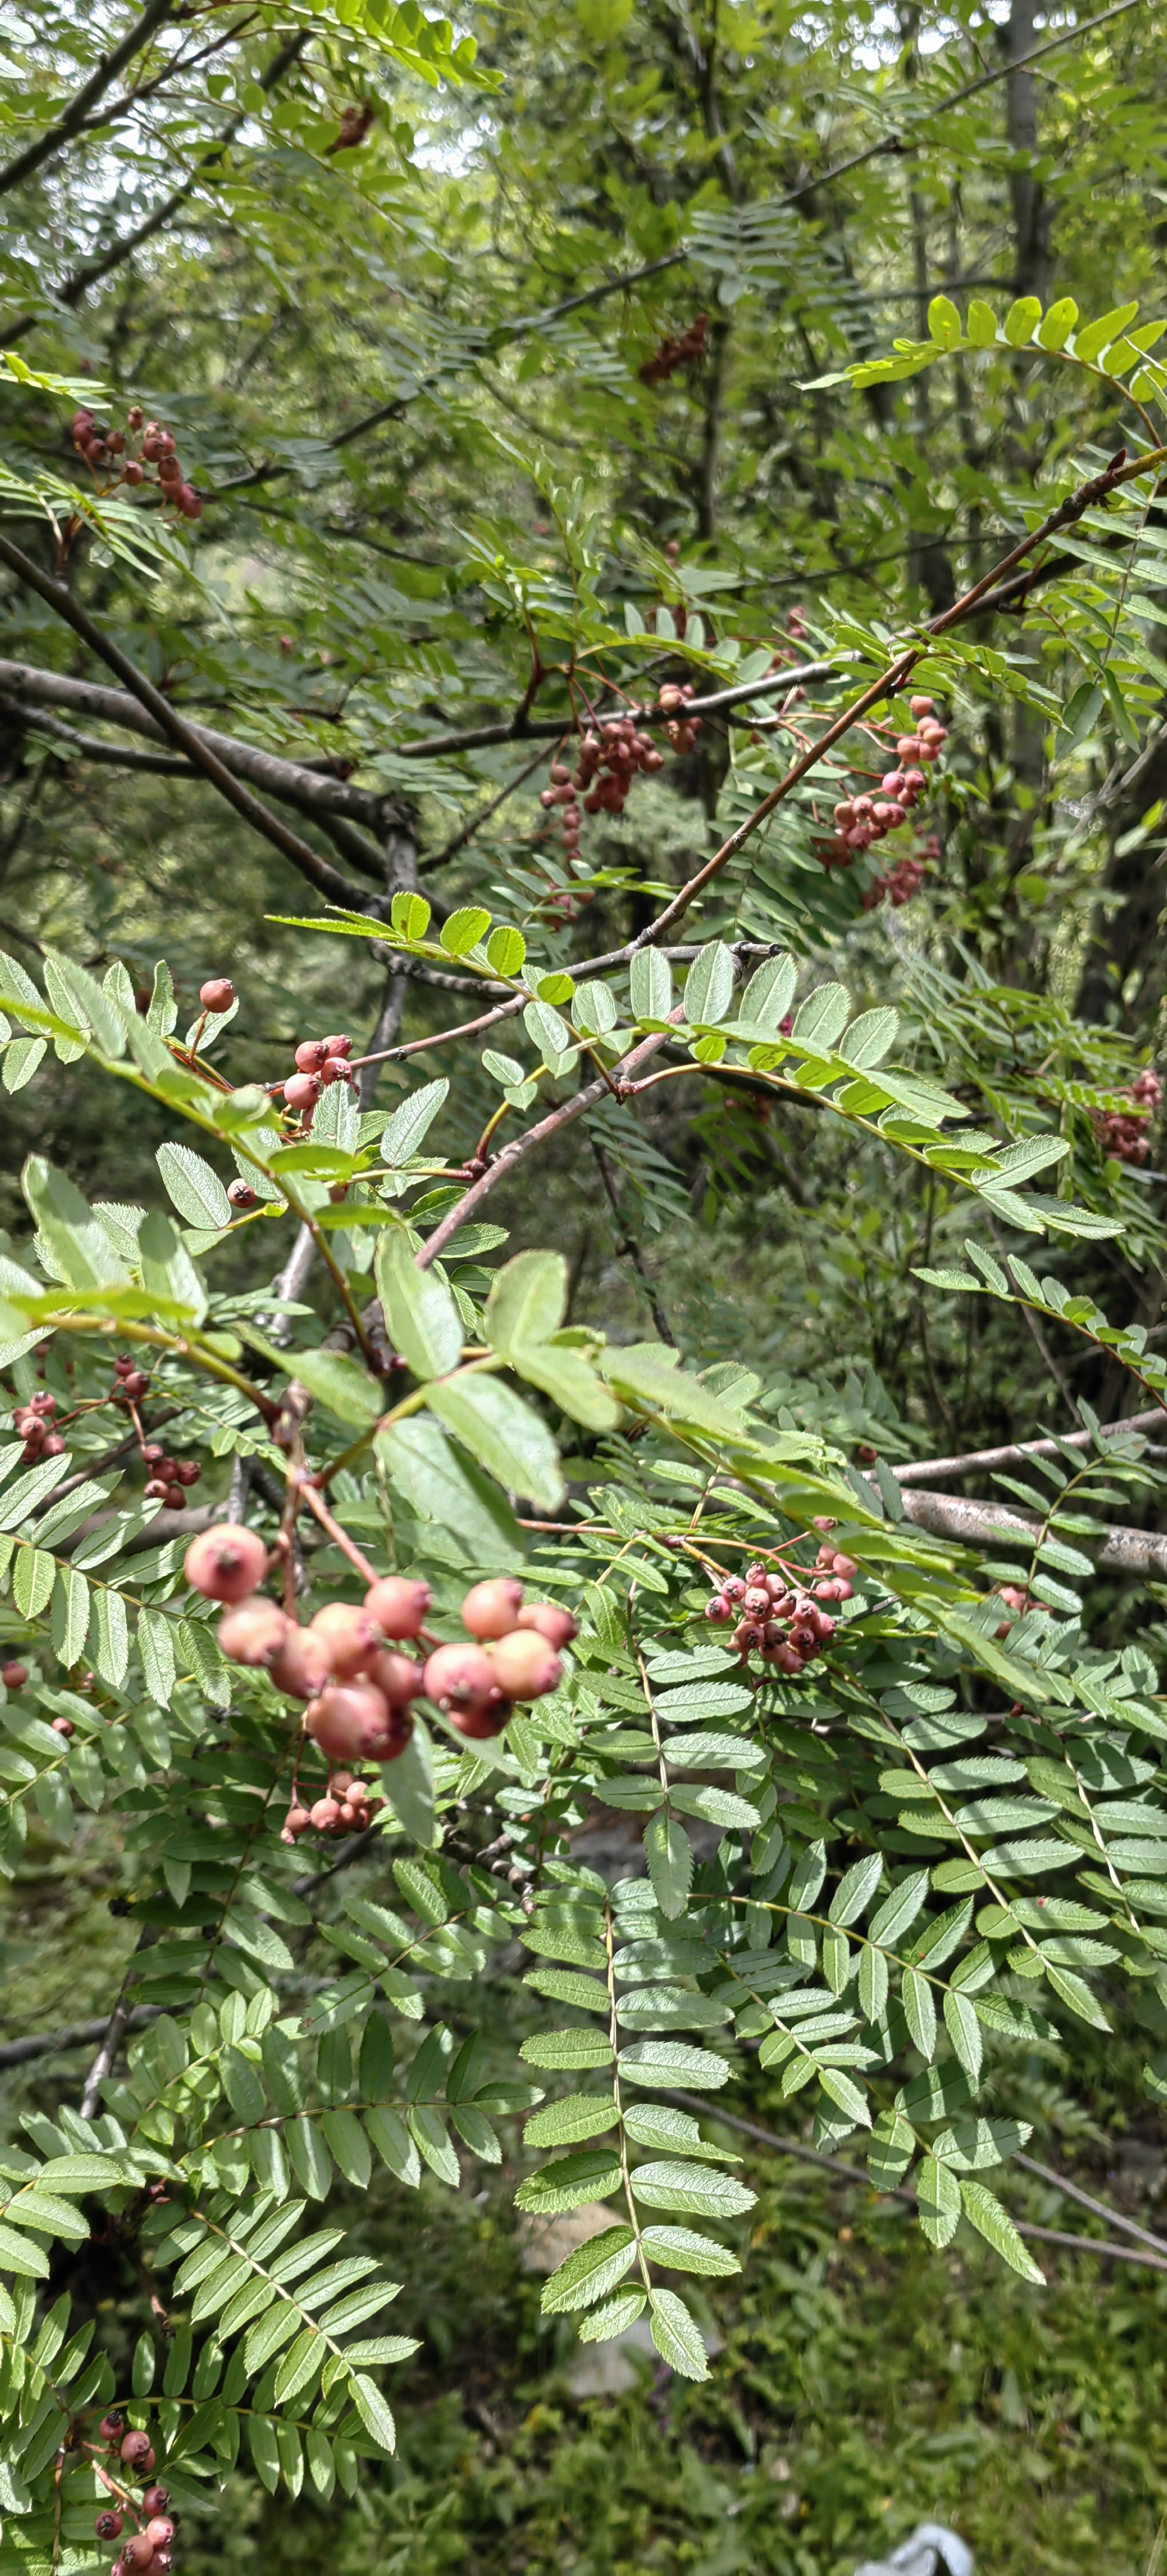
(898, 885)
(861, 820)
(319, 1062)
(1125, 1134)
(784, 1623)
(33, 1424)
(148, 2550)
(345, 1664)
(108, 452)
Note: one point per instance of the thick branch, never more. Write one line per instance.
(319, 871)
(1124, 1551)
(70, 123)
(978, 1461)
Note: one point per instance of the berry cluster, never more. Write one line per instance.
(1124, 1134)
(132, 1382)
(905, 879)
(348, 1806)
(169, 1477)
(688, 351)
(148, 2550)
(124, 458)
(784, 1623)
(359, 1690)
(319, 1062)
(34, 1425)
(862, 820)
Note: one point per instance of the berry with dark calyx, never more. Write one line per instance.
(227, 1562)
(157, 2500)
(64, 1726)
(135, 1384)
(175, 1498)
(253, 1631)
(719, 1609)
(756, 1600)
(160, 2530)
(353, 1721)
(300, 1667)
(552, 1622)
(526, 1664)
(170, 471)
(349, 1636)
(138, 2551)
(302, 1091)
(137, 2451)
(14, 1676)
(311, 1054)
(491, 1609)
(187, 1472)
(242, 1195)
(733, 1587)
(156, 1489)
(397, 1676)
(462, 1680)
(109, 2526)
(217, 994)
(112, 2426)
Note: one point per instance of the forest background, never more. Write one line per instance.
(409, 312)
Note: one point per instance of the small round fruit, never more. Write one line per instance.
(352, 1723)
(302, 1091)
(63, 1726)
(337, 1045)
(397, 1676)
(227, 1562)
(349, 1638)
(156, 2500)
(137, 2551)
(462, 1679)
(325, 1814)
(491, 1609)
(479, 1722)
(14, 1676)
(137, 2451)
(525, 1665)
(311, 1054)
(159, 2530)
(300, 1668)
(555, 1624)
(254, 1631)
(112, 2426)
(242, 1196)
(218, 995)
(109, 2526)
(398, 1605)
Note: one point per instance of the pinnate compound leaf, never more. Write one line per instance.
(612, 2317)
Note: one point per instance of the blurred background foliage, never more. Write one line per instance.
(390, 351)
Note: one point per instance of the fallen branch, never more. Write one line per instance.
(1124, 1551)
(1015, 1453)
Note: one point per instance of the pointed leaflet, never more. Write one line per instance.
(651, 985)
(508, 1436)
(406, 1130)
(675, 2335)
(769, 993)
(168, 1272)
(589, 2272)
(856, 1889)
(670, 1863)
(995, 2225)
(196, 1190)
(441, 1484)
(709, 985)
(75, 1235)
(527, 1301)
(420, 1313)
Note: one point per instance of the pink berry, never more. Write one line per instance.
(491, 1609)
(226, 1562)
(398, 1605)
